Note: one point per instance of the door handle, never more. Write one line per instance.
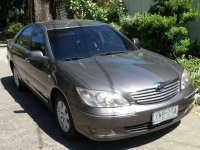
(27, 60)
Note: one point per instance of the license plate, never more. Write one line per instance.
(165, 114)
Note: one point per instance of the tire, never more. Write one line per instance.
(64, 117)
(18, 82)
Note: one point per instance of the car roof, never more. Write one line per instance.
(61, 24)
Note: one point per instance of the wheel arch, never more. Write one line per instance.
(53, 94)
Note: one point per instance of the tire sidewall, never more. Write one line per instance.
(20, 85)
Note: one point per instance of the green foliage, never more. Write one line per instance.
(129, 28)
(193, 66)
(116, 26)
(12, 11)
(157, 33)
(181, 8)
(164, 29)
(109, 11)
(181, 47)
(178, 39)
(116, 10)
(13, 28)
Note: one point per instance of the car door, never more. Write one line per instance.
(20, 50)
(39, 70)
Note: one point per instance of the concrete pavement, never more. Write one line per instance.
(26, 123)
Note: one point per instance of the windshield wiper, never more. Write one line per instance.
(110, 53)
(72, 58)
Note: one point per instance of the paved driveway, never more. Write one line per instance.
(25, 123)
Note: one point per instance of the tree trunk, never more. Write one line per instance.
(42, 10)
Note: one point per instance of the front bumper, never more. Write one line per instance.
(118, 123)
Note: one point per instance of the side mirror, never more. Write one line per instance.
(136, 41)
(36, 55)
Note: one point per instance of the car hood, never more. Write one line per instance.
(125, 72)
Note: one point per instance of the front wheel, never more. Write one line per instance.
(64, 117)
(18, 82)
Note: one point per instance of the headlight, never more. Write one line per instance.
(101, 98)
(185, 80)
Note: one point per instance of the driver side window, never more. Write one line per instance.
(24, 38)
(37, 41)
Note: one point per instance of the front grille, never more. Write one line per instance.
(156, 94)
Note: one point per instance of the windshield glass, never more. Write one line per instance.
(88, 41)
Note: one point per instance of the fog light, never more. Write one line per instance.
(103, 132)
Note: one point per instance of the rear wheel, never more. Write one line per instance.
(18, 82)
(64, 117)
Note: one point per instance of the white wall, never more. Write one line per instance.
(135, 6)
(194, 27)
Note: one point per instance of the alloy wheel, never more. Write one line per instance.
(63, 116)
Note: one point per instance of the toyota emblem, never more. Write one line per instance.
(160, 88)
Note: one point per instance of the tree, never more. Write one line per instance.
(11, 11)
(42, 10)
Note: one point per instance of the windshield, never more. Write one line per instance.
(84, 42)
